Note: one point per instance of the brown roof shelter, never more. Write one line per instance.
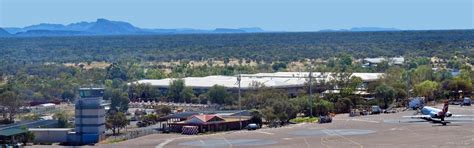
(211, 123)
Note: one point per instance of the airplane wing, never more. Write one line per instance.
(418, 116)
(460, 116)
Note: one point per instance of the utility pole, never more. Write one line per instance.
(310, 100)
(239, 78)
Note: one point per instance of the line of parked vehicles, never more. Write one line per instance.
(373, 111)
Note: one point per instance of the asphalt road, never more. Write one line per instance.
(385, 130)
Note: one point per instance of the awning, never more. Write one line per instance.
(11, 131)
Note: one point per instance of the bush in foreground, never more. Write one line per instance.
(304, 119)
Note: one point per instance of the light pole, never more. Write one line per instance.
(239, 78)
(310, 100)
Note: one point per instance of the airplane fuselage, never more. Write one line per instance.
(434, 112)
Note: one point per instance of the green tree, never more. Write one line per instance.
(343, 105)
(150, 118)
(134, 71)
(27, 136)
(118, 99)
(68, 95)
(269, 114)
(383, 66)
(347, 86)
(396, 77)
(163, 110)
(116, 121)
(322, 107)
(256, 117)
(187, 94)
(141, 91)
(274, 104)
(454, 64)
(279, 66)
(11, 103)
(62, 118)
(344, 61)
(427, 89)
(302, 104)
(155, 74)
(386, 93)
(218, 94)
(31, 117)
(458, 86)
(420, 74)
(114, 71)
(226, 61)
(175, 90)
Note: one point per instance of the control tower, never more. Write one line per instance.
(90, 116)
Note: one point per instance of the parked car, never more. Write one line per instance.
(467, 101)
(325, 119)
(252, 126)
(376, 110)
(456, 102)
(142, 124)
(387, 111)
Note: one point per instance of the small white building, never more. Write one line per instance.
(47, 135)
(43, 107)
(391, 61)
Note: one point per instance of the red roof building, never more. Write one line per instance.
(200, 119)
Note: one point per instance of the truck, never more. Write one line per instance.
(416, 103)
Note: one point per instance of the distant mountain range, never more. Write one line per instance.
(4, 33)
(108, 27)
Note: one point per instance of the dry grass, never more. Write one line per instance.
(101, 65)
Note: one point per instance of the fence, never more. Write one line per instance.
(131, 134)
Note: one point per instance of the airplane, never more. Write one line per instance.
(430, 114)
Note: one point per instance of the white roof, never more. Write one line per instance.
(47, 104)
(276, 80)
(49, 129)
(395, 60)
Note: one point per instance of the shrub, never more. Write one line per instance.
(304, 119)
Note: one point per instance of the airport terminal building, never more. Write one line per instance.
(289, 81)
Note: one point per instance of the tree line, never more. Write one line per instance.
(257, 47)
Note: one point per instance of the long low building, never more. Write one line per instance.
(290, 81)
(274, 80)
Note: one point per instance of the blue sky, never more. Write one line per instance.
(278, 15)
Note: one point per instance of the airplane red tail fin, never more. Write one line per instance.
(445, 108)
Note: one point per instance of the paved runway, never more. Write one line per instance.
(385, 130)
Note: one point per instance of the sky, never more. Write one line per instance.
(276, 15)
